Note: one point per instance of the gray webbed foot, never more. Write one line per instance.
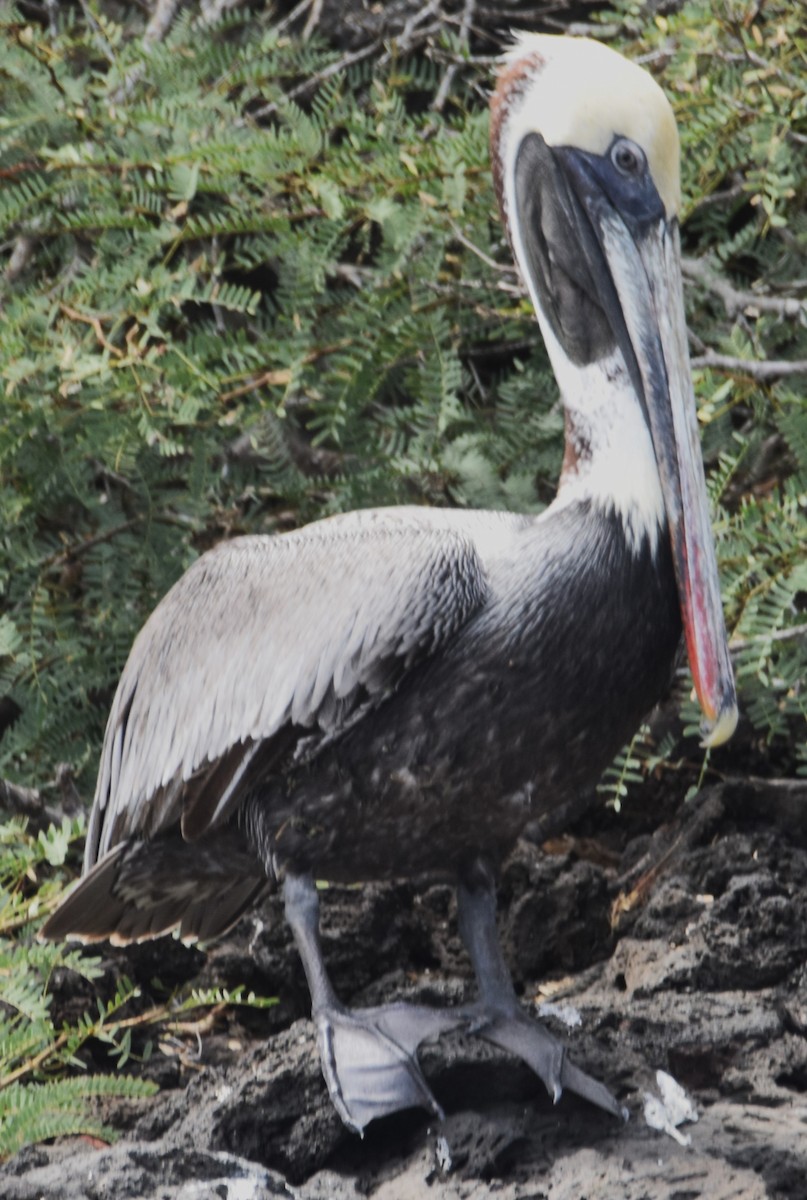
(369, 1058)
(368, 1055)
(497, 1016)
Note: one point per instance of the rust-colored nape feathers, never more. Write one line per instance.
(513, 79)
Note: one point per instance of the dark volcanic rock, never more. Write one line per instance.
(704, 978)
(134, 1172)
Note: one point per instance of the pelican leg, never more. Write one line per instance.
(497, 1016)
(368, 1055)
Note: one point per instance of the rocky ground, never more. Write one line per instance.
(679, 935)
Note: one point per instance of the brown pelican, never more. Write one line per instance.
(397, 692)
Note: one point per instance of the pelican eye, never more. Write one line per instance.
(628, 158)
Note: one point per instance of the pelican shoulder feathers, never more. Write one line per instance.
(300, 629)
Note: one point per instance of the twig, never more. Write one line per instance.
(502, 268)
(694, 827)
(281, 376)
(448, 78)
(313, 81)
(749, 56)
(726, 196)
(501, 349)
(404, 39)
(100, 39)
(313, 20)
(27, 802)
(780, 635)
(764, 372)
(160, 21)
(483, 61)
(157, 27)
(69, 553)
(291, 17)
(95, 325)
(19, 258)
(77, 549)
(33, 1064)
(211, 10)
(473, 287)
(52, 9)
(736, 301)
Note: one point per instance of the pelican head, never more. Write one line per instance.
(586, 165)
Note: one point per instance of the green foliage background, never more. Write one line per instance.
(238, 311)
(251, 280)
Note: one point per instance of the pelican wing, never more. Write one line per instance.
(265, 640)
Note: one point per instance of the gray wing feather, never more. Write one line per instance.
(261, 632)
(142, 889)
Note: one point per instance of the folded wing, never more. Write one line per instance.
(265, 640)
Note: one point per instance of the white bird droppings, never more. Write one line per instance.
(443, 1153)
(567, 1014)
(671, 1109)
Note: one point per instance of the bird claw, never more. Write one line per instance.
(369, 1059)
(511, 1030)
(592, 1090)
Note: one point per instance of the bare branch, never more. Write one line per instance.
(724, 196)
(211, 10)
(764, 372)
(19, 258)
(405, 38)
(291, 17)
(780, 635)
(69, 554)
(503, 268)
(27, 802)
(160, 21)
(313, 19)
(736, 301)
(313, 81)
(448, 78)
(156, 29)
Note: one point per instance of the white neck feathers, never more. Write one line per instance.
(610, 457)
